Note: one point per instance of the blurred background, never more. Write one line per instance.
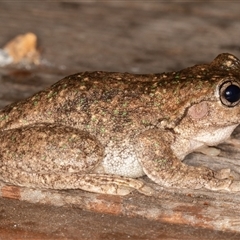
(133, 36)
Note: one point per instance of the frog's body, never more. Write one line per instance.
(89, 129)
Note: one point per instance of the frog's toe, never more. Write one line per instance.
(223, 173)
(227, 173)
(146, 190)
(234, 186)
(223, 185)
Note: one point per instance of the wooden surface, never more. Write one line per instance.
(210, 210)
(118, 36)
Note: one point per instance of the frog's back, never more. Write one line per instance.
(105, 104)
(97, 101)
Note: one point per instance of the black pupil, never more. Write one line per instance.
(232, 93)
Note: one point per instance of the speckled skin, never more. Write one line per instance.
(98, 131)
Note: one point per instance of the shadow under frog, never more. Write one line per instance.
(101, 131)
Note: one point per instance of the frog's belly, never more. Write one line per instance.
(121, 159)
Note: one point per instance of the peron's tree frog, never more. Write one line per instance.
(99, 131)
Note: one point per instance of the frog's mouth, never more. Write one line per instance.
(213, 137)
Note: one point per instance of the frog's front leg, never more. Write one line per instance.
(154, 151)
(58, 157)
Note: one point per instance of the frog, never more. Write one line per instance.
(101, 132)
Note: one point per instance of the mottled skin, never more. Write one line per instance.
(98, 131)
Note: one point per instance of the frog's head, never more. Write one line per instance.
(211, 117)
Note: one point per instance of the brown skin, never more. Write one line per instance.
(98, 131)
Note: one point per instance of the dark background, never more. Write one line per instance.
(126, 36)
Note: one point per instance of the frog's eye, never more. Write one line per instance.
(230, 93)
